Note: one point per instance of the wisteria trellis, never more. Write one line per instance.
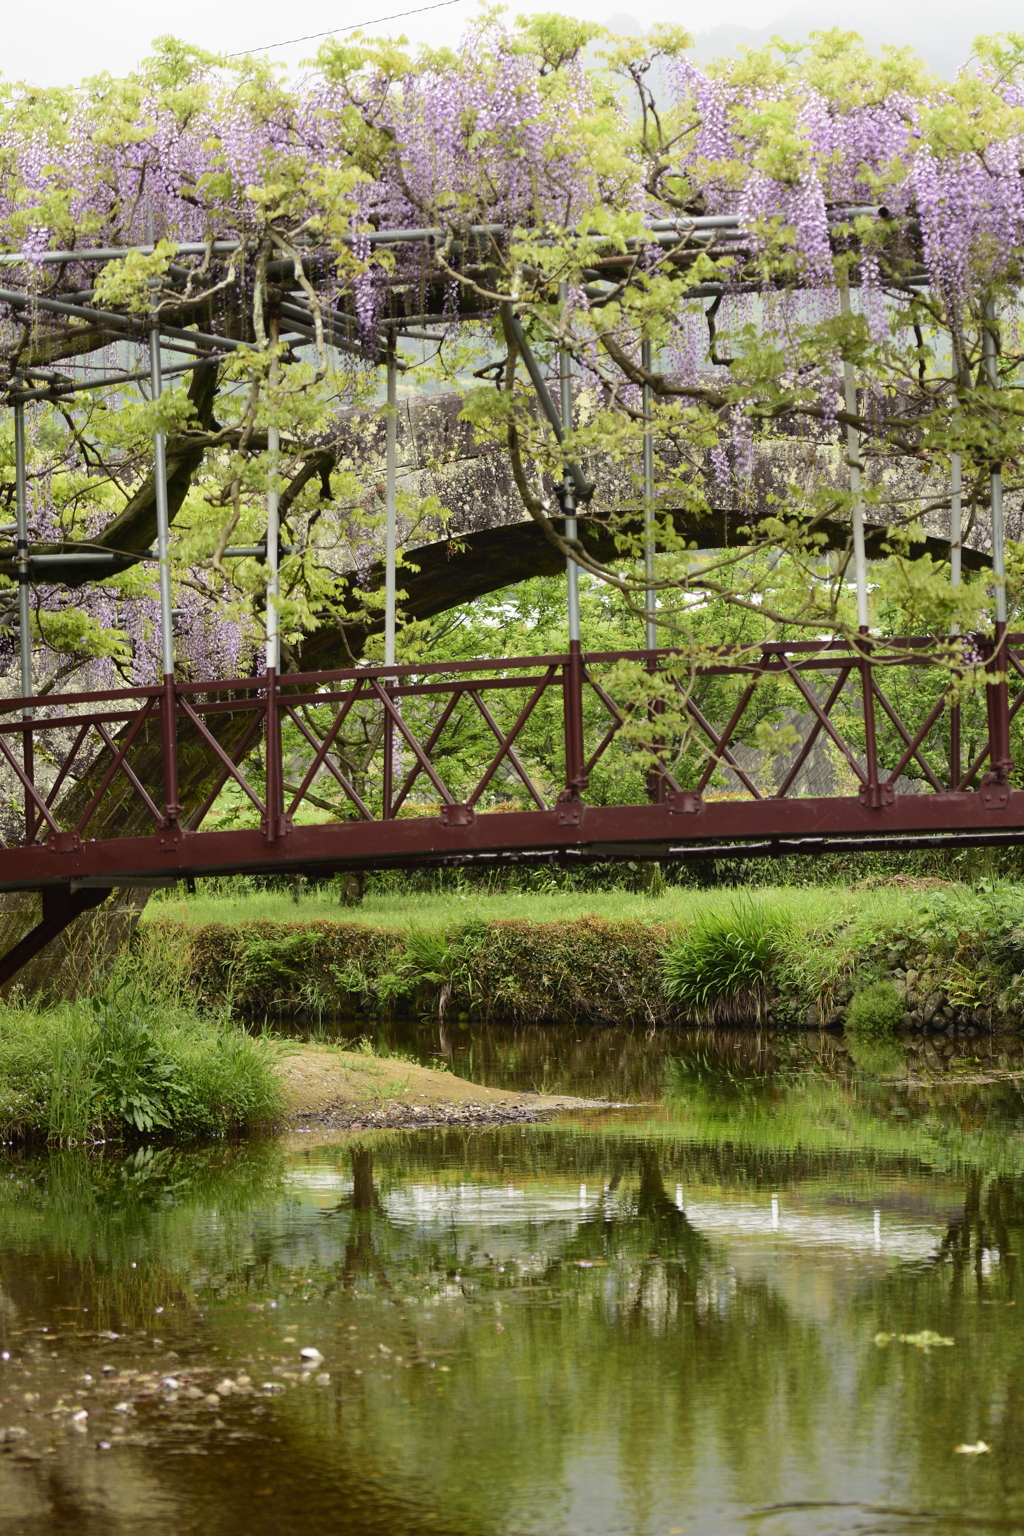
(549, 141)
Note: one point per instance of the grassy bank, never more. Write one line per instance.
(130, 1063)
(233, 904)
(788, 957)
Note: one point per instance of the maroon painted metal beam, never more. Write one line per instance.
(61, 906)
(599, 832)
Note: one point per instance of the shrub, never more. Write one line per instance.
(874, 1012)
(724, 969)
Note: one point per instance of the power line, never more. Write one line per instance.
(340, 31)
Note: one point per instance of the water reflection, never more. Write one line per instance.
(631, 1064)
(630, 1322)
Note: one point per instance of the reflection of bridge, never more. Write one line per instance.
(426, 808)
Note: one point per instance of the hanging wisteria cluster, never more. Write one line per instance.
(717, 217)
(371, 138)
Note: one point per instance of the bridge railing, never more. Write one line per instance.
(549, 733)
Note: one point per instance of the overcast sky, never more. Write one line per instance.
(61, 42)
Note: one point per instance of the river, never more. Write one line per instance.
(772, 1295)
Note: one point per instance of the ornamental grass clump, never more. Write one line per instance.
(726, 969)
(128, 1065)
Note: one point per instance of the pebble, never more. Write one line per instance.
(399, 1116)
(311, 1355)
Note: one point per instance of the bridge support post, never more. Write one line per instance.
(867, 688)
(274, 788)
(60, 908)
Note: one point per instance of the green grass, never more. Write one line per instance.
(804, 905)
(131, 1062)
(724, 966)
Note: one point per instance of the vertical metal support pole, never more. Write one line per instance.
(655, 780)
(956, 515)
(272, 726)
(168, 705)
(390, 495)
(860, 563)
(575, 774)
(998, 699)
(273, 527)
(860, 570)
(24, 607)
(955, 554)
(390, 559)
(650, 597)
(572, 570)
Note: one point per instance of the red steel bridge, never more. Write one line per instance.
(451, 772)
(956, 753)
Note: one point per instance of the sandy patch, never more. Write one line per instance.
(319, 1082)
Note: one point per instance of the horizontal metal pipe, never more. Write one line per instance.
(112, 253)
(72, 387)
(305, 328)
(391, 321)
(386, 237)
(114, 322)
(92, 557)
(101, 557)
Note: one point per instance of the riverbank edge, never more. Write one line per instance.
(590, 971)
